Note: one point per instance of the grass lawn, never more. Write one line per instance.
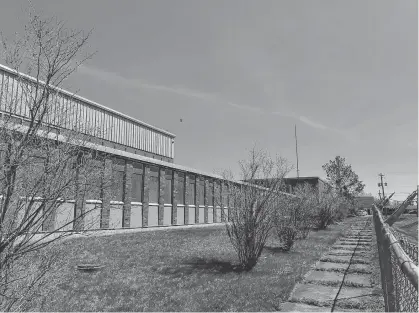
(408, 225)
(178, 270)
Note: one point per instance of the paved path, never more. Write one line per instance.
(341, 279)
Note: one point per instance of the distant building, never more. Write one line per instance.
(316, 182)
(290, 183)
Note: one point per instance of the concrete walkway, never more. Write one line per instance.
(341, 279)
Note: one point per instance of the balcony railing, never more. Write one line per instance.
(69, 111)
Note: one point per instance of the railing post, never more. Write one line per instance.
(388, 271)
(380, 257)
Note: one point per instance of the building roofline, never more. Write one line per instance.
(309, 177)
(85, 100)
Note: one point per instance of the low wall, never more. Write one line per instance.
(94, 214)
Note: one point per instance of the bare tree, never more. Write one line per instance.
(47, 155)
(253, 202)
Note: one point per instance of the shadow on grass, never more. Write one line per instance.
(215, 265)
(277, 249)
(200, 265)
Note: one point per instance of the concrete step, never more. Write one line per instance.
(352, 247)
(323, 296)
(347, 252)
(354, 297)
(301, 307)
(335, 279)
(314, 294)
(360, 243)
(342, 267)
(344, 259)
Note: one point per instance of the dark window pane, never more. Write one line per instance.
(154, 185)
(191, 190)
(224, 195)
(201, 192)
(211, 194)
(137, 187)
(118, 185)
(168, 186)
(180, 196)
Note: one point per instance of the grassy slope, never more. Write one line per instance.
(408, 225)
(178, 270)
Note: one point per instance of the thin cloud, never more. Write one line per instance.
(311, 123)
(115, 78)
(137, 83)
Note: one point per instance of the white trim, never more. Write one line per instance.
(116, 202)
(136, 203)
(168, 204)
(180, 205)
(153, 204)
(93, 201)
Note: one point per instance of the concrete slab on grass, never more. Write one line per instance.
(329, 266)
(314, 294)
(354, 297)
(346, 252)
(301, 307)
(341, 267)
(345, 242)
(344, 259)
(352, 247)
(323, 277)
(358, 279)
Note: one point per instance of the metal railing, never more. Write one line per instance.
(399, 272)
(69, 111)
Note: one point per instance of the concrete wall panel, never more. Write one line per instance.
(92, 217)
(65, 214)
(180, 216)
(153, 215)
(167, 215)
(210, 215)
(201, 215)
(115, 216)
(191, 215)
(136, 215)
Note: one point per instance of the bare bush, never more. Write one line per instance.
(252, 208)
(327, 205)
(42, 162)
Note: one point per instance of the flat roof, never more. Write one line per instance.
(89, 102)
(308, 177)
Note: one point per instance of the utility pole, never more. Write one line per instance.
(382, 188)
(296, 148)
(379, 194)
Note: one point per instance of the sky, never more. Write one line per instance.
(241, 73)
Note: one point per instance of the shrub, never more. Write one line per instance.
(287, 234)
(252, 209)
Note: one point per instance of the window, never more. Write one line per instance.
(168, 186)
(201, 191)
(154, 185)
(191, 190)
(118, 186)
(217, 193)
(210, 193)
(137, 182)
(180, 196)
(225, 195)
